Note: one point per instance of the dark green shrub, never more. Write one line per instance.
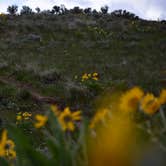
(12, 9)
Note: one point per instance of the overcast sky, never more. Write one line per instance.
(148, 9)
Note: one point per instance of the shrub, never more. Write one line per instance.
(37, 9)
(87, 10)
(125, 14)
(56, 9)
(26, 10)
(76, 10)
(12, 9)
(104, 9)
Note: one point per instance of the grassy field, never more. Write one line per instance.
(47, 52)
(43, 59)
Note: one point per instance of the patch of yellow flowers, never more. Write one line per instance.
(135, 99)
(66, 118)
(114, 138)
(131, 101)
(90, 76)
(21, 116)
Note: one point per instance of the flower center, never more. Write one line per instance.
(67, 118)
(7, 146)
(133, 102)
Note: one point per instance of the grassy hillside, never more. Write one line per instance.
(48, 54)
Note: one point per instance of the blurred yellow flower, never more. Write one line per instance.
(130, 100)
(41, 120)
(55, 110)
(150, 104)
(11, 154)
(114, 144)
(3, 143)
(99, 117)
(67, 119)
(162, 97)
(95, 78)
(95, 74)
(7, 146)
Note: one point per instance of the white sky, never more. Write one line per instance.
(148, 9)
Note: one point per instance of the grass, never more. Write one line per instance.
(128, 53)
(43, 58)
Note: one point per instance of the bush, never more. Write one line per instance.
(37, 10)
(87, 10)
(56, 9)
(12, 9)
(26, 10)
(125, 14)
(104, 9)
(76, 10)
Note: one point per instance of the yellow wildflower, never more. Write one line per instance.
(11, 154)
(85, 77)
(95, 78)
(150, 104)
(162, 97)
(67, 119)
(95, 74)
(7, 146)
(41, 120)
(23, 116)
(3, 143)
(26, 115)
(100, 116)
(18, 117)
(130, 100)
(55, 110)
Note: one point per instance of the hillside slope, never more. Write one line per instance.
(46, 52)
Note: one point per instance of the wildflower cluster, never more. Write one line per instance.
(66, 118)
(136, 99)
(23, 116)
(90, 76)
(7, 147)
(112, 125)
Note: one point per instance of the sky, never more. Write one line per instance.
(147, 9)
